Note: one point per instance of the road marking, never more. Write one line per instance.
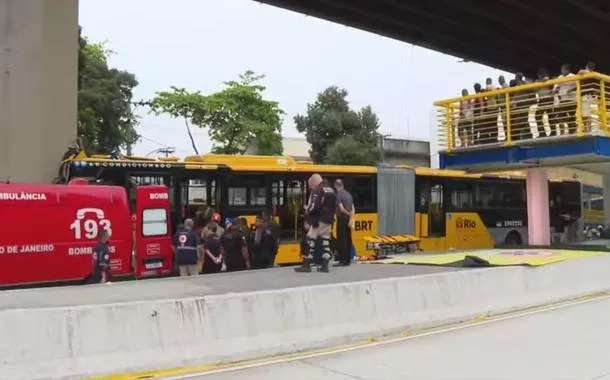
(479, 320)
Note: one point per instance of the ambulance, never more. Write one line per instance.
(47, 232)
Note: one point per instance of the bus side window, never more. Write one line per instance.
(423, 196)
(461, 197)
(362, 189)
(597, 204)
(247, 191)
(496, 194)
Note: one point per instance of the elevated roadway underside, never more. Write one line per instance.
(508, 34)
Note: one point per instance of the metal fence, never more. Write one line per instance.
(572, 106)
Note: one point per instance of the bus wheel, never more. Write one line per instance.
(513, 238)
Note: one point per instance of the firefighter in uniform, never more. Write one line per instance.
(186, 248)
(264, 245)
(320, 217)
(234, 246)
(101, 259)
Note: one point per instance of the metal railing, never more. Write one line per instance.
(573, 106)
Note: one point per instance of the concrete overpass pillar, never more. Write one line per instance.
(538, 219)
(606, 191)
(38, 86)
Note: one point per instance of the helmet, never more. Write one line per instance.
(230, 221)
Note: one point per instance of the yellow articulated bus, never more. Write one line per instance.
(445, 209)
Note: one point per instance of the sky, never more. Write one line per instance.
(199, 44)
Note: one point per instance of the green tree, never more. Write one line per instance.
(337, 134)
(106, 121)
(179, 103)
(349, 151)
(236, 117)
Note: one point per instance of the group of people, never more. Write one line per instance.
(542, 111)
(230, 247)
(235, 247)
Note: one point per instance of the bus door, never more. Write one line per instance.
(431, 209)
(288, 199)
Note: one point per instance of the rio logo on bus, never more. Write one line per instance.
(465, 223)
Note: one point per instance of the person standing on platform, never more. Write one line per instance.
(478, 130)
(215, 219)
(345, 217)
(101, 260)
(186, 248)
(234, 247)
(275, 229)
(566, 109)
(212, 259)
(264, 245)
(545, 104)
(320, 217)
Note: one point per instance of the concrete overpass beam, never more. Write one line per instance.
(38, 86)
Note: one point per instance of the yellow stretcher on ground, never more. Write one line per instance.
(383, 246)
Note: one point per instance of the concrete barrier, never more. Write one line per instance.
(87, 340)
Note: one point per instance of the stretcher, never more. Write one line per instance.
(380, 247)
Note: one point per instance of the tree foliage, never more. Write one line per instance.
(349, 151)
(179, 103)
(106, 121)
(236, 117)
(337, 134)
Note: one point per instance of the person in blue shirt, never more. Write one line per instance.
(101, 259)
(186, 248)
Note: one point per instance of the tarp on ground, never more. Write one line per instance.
(493, 257)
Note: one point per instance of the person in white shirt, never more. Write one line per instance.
(465, 121)
(566, 109)
(502, 81)
(545, 104)
(588, 96)
(492, 110)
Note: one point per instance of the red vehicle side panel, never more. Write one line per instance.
(47, 232)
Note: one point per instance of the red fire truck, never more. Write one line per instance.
(47, 232)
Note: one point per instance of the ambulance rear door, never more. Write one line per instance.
(153, 252)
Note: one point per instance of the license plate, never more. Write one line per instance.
(156, 265)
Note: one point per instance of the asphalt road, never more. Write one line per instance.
(571, 343)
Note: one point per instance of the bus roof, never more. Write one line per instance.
(252, 163)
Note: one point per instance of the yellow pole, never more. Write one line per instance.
(603, 118)
(448, 129)
(509, 138)
(579, 130)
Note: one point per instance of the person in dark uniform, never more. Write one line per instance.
(186, 249)
(235, 251)
(320, 217)
(272, 224)
(345, 213)
(101, 260)
(264, 245)
(212, 259)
